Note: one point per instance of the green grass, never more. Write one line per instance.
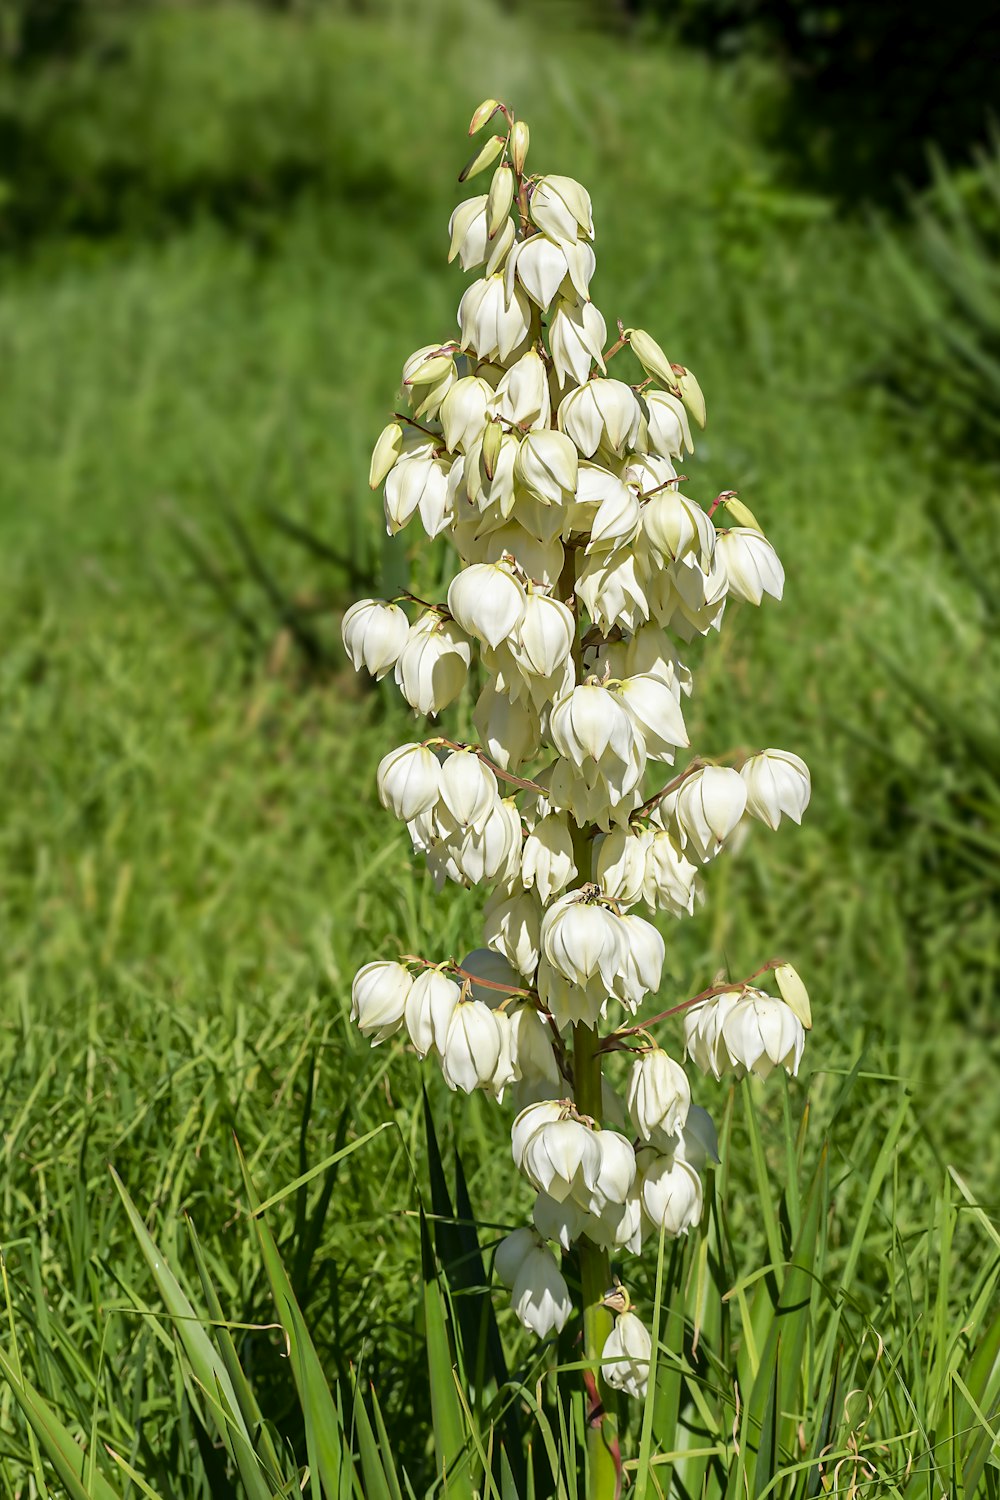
(192, 859)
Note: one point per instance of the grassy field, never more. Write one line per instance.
(192, 858)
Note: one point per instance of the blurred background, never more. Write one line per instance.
(222, 229)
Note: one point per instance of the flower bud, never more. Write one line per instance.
(577, 336)
(539, 1295)
(522, 397)
(670, 1191)
(560, 207)
(626, 1356)
(388, 447)
(710, 803)
(378, 999)
(547, 861)
(483, 112)
(658, 1094)
(519, 138)
(463, 412)
(499, 200)
(467, 227)
(752, 567)
(374, 633)
(430, 1006)
(487, 601)
(483, 158)
(794, 993)
(742, 514)
(669, 431)
(691, 394)
(761, 1033)
(472, 1047)
(649, 354)
(468, 788)
(490, 450)
(433, 665)
(409, 781)
(602, 411)
(777, 782)
(491, 323)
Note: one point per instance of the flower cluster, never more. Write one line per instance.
(582, 567)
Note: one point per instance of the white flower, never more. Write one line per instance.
(615, 1174)
(644, 952)
(577, 336)
(614, 588)
(563, 1158)
(509, 731)
(409, 781)
(531, 1046)
(428, 375)
(570, 1003)
(649, 651)
(539, 1295)
(528, 1121)
(752, 566)
(378, 998)
(602, 411)
(658, 1094)
(522, 397)
(777, 782)
(463, 412)
(761, 1032)
(671, 879)
(472, 1047)
(547, 861)
(564, 1221)
(506, 1071)
(374, 633)
(492, 850)
(487, 601)
(582, 940)
(618, 517)
(469, 232)
(542, 266)
(430, 1006)
(656, 714)
(433, 665)
(669, 430)
(491, 324)
(590, 728)
(511, 925)
(703, 1040)
(626, 1356)
(547, 465)
(620, 865)
(542, 562)
(468, 788)
(677, 527)
(671, 1191)
(710, 803)
(511, 1251)
(418, 482)
(561, 208)
(544, 638)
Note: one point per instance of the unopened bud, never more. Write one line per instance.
(652, 358)
(386, 451)
(492, 440)
(501, 197)
(742, 514)
(691, 394)
(483, 158)
(485, 112)
(519, 138)
(430, 371)
(794, 993)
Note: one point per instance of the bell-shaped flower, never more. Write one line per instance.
(777, 782)
(540, 1296)
(511, 1251)
(487, 601)
(512, 926)
(531, 1046)
(463, 412)
(570, 1004)
(547, 861)
(626, 1356)
(491, 851)
(547, 465)
(710, 803)
(656, 714)
(560, 207)
(614, 588)
(761, 1032)
(409, 781)
(592, 730)
(693, 599)
(472, 1047)
(469, 232)
(669, 429)
(542, 562)
(493, 325)
(374, 633)
(600, 412)
(658, 1094)
(543, 641)
(577, 335)
(617, 520)
(418, 482)
(563, 1221)
(703, 1039)
(751, 565)
(650, 651)
(428, 375)
(542, 266)
(522, 397)
(528, 1122)
(430, 1006)
(619, 1225)
(677, 527)
(468, 788)
(485, 965)
(506, 1071)
(671, 878)
(615, 1175)
(620, 865)
(509, 731)
(563, 1159)
(670, 1190)
(434, 664)
(378, 998)
(583, 939)
(644, 952)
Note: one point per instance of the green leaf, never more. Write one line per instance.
(65, 1455)
(446, 1412)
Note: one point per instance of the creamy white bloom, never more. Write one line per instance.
(614, 587)
(656, 714)
(752, 566)
(430, 1005)
(472, 1047)
(777, 782)
(547, 861)
(542, 266)
(643, 965)
(544, 637)
(463, 412)
(506, 1071)
(531, 1046)
(428, 375)
(522, 396)
(615, 1175)
(600, 412)
(658, 1094)
(561, 208)
(670, 878)
(577, 335)
(512, 926)
(468, 788)
(626, 1356)
(409, 781)
(671, 1191)
(492, 850)
(469, 232)
(710, 803)
(650, 652)
(493, 325)
(541, 561)
(669, 429)
(511, 1251)
(433, 665)
(582, 939)
(563, 1221)
(528, 1122)
(418, 482)
(703, 1040)
(374, 633)
(540, 1296)
(487, 601)
(620, 864)
(563, 1158)
(761, 1032)
(677, 527)
(547, 465)
(570, 1003)
(591, 729)
(510, 731)
(378, 998)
